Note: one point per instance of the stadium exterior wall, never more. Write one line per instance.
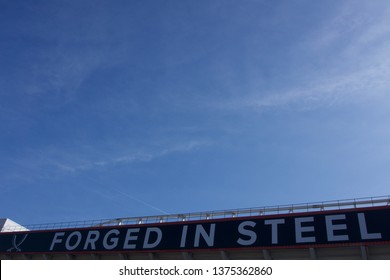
(352, 233)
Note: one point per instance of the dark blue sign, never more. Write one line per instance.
(303, 229)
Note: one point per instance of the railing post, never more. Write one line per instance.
(292, 208)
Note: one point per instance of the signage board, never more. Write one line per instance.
(309, 229)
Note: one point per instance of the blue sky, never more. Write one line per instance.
(131, 108)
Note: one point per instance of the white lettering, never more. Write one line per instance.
(209, 238)
(299, 229)
(69, 247)
(251, 234)
(183, 237)
(92, 237)
(129, 237)
(363, 229)
(274, 228)
(56, 239)
(330, 228)
(113, 241)
(148, 245)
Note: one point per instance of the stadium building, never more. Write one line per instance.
(343, 229)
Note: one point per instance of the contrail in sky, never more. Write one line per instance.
(143, 202)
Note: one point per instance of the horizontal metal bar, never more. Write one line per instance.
(219, 214)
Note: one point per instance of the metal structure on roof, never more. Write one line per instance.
(73, 240)
(218, 214)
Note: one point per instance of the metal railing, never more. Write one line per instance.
(220, 214)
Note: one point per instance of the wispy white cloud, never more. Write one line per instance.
(357, 45)
(141, 201)
(356, 87)
(78, 164)
(36, 165)
(61, 72)
(112, 194)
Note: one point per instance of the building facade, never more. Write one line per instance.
(348, 229)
